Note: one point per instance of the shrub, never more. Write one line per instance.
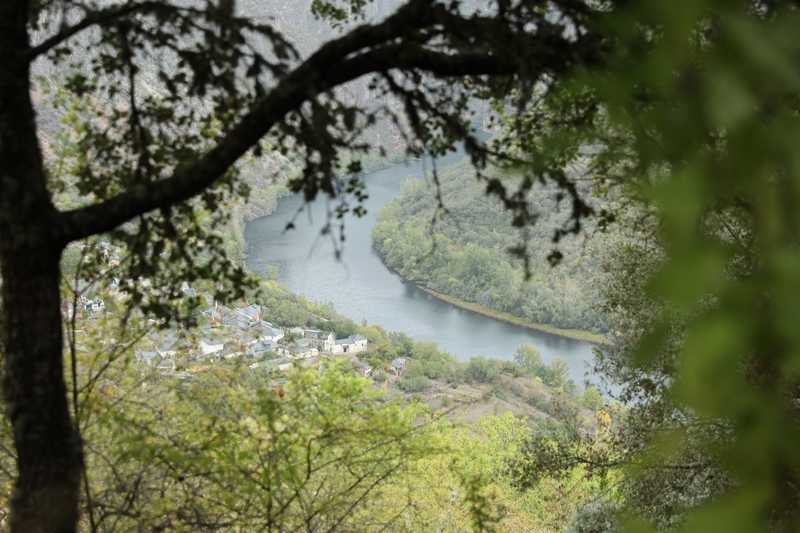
(415, 369)
(497, 391)
(434, 369)
(429, 351)
(541, 404)
(380, 377)
(482, 370)
(269, 355)
(592, 399)
(414, 384)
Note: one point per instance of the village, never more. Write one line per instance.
(241, 332)
(255, 334)
(225, 333)
(244, 334)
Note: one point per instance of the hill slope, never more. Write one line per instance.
(466, 257)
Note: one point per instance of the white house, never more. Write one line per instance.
(245, 339)
(230, 351)
(210, 301)
(342, 346)
(211, 345)
(211, 314)
(188, 290)
(261, 348)
(360, 341)
(146, 357)
(166, 365)
(167, 344)
(301, 352)
(271, 334)
(329, 342)
(363, 369)
(94, 305)
(263, 324)
(236, 320)
(352, 344)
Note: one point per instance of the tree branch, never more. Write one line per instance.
(335, 63)
(93, 18)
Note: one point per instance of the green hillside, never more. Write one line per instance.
(466, 257)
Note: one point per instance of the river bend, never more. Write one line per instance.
(360, 286)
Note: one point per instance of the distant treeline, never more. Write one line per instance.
(467, 256)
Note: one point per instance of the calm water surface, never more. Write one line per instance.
(361, 287)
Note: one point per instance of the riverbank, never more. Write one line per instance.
(575, 334)
(233, 234)
(360, 286)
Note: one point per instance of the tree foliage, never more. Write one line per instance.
(463, 250)
(415, 383)
(163, 99)
(226, 447)
(687, 107)
(529, 361)
(694, 120)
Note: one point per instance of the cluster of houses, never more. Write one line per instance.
(226, 333)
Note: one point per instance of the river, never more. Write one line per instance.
(361, 287)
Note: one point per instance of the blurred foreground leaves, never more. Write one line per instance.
(697, 121)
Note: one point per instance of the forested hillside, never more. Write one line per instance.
(467, 257)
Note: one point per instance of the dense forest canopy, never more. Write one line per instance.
(464, 251)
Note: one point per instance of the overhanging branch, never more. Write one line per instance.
(356, 54)
(92, 19)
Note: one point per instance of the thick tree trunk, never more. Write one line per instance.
(45, 496)
(49, 455)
